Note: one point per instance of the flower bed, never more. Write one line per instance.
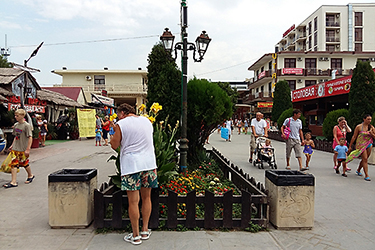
(197, 199)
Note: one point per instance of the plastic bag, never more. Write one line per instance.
(5, 166)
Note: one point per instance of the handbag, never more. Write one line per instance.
(287, 131)
(6, 165)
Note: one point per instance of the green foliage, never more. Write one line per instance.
(362, 93)
(51, 131)
(289, 113)
(4, 63)
(208, 105)
(331, 120)
(254, 228)
(281, 100)
(165, 151)
(164, 84)
(233, 94)
(6, 117)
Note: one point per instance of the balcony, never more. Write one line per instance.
(117, 88)
(332, 39)
(327, 72)
(332, 24)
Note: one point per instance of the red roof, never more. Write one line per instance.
(71, 92)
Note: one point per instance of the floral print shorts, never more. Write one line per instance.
(133, 182)
(19, 159)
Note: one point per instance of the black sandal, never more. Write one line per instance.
(29, 180)
(10, 185)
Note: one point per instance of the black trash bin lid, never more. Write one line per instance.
(70, 175)
(290, 178)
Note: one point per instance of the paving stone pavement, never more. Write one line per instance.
(344, 217)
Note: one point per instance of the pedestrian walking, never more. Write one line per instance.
(229, 127)
(98, 135)
(138, 167)
(341, 152)
(258, 128)
(308, 150)
(364, 134)
(105, 129)
(20, 149)
(295, 139)
(340, 131)
(43, 133)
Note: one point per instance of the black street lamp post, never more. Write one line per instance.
(201, 45)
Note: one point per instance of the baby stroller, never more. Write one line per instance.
(263, 155)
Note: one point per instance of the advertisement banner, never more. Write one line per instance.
(102, 99)
(265, 104)
(28, 108)
(261, 75)
(86, 122)
(338, 86)
(292, 71)
(304, 94)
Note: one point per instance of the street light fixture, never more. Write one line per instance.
(201, 45)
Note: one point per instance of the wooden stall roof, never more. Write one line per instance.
(57, 98)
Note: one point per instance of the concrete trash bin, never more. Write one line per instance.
(71, 197)
(291, 196)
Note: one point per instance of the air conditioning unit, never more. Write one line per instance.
(338, 46)
(325, 59)
(299, 81)
(337, 31)
(372, 59)
(321, 80)
(88, 78)
(299, 59)
(321, 59)
(337, 15)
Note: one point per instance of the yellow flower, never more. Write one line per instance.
(142, 107)
(155, 108)
(152, 119)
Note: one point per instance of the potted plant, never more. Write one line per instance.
(35, 135)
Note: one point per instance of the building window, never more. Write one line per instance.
(99, 82)
(270, 65)
(261, 69)
(330, 47)
(315, 23)
(358, 19)
(310, 28)
(292, 84)
(262, 89)
(310, 82)
(330, 35)
(358, 34)
(310, 63)
(289, 63)
(358, 47)
(316, 48)
(315, 38)
(270, 88)
(336, 63)
(310, 42)
(330, 20)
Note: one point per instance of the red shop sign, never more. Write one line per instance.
(304, 94)
(338, 86)
(292, 71)
(263, 74)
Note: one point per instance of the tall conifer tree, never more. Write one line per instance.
(281, 100)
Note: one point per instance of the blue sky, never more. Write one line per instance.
(241, 32)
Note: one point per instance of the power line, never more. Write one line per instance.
(90, 41)
(214, 71)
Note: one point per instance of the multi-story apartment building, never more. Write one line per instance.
(124, 86)
(333, 28)
(325, 46)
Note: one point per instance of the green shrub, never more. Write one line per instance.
(281, 100)
(331, 120)
(289, 113)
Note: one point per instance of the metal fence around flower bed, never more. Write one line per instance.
(323, 145)
(110, 203)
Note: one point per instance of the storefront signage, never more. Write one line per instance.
(304, 94)
(28, 108)
(292, 71)
(103, 99)
(338, 86)
(86, 122)
(265, 104)
(289, 30)
(261, 75)
(31, 101)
